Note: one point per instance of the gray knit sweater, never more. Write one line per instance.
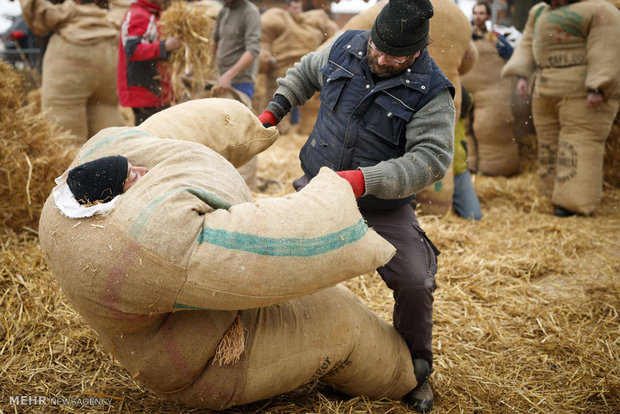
(429, 134)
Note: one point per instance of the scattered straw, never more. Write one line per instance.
(526, 313)
(32, 153)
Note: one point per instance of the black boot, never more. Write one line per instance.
(420, 398)
(562, 212)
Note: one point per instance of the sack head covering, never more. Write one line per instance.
(98, 181)
(401, 28)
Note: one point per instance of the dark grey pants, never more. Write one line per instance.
(410, 274)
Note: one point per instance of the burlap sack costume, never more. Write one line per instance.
(453, 52)
(211, 298)
(78, 86)
(575, 49)
(492, 142)
(287, 38)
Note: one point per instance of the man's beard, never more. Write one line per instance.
(380, 71)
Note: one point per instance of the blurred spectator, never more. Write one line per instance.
(481, 14)
(465, 200)
(236, 39)
(143, 81)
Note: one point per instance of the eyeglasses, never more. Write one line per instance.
(389, 58)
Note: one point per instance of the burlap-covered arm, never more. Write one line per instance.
(224, 125)
(470, 57)
(522, 62)
(42, 16)
(273, 250)
(602, 30)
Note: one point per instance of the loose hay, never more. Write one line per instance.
(32, 153)
(192, 24)
(526, 314)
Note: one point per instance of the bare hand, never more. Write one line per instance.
(172, 43)
(594, 99)
(225, 82)
(523, 87)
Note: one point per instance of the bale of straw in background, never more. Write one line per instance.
(32, 153)
(192, 24)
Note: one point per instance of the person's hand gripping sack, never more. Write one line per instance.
(356, 179)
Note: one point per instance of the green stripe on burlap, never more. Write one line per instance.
(285, 246)
(110, 139)
(181, 306)
(149, 209)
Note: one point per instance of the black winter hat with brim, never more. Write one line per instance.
(401, 28)
(98, 181)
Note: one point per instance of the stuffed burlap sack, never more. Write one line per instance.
(226, 126)
(187, 235)
(496, 149)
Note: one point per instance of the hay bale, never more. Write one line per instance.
(192, 24)
(33, 153)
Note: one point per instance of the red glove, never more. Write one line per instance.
(268, 119)
(356, 179)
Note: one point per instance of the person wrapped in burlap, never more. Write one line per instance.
(78, 88)
(287, 34)
(569, 53)
(491, 139)
(213, 299)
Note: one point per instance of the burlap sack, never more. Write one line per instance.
(287, 38)
(227, 126)
(79, 86)
(495, 147)
(161, 276)
(571, 162)
(329, 335)
(574, 54)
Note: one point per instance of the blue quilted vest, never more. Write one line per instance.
(362, 123)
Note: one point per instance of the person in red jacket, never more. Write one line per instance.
(143, 83)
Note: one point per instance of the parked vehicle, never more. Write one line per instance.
(22, 48)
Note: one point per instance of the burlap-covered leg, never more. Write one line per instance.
(331, 336)
(66, 87)
(579, 178)
(546, 122)
(498, 152)
(103, 110)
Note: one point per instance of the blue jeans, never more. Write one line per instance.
(464, 198)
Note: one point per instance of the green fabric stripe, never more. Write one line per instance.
(186, 307)
(295, 247)
(111, 139)
(149, 209)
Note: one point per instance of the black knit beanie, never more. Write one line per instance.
(401, 28)
(98, 181)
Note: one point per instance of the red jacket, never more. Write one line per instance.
(142, 79)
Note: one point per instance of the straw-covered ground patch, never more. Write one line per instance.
(526, 313)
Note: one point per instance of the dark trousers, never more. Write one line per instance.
(410, 274)
(142, 114)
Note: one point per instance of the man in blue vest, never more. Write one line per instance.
(386, 125)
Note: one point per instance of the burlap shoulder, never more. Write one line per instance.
(226, 126)
(522, 62)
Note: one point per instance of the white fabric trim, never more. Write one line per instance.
(68, 205)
